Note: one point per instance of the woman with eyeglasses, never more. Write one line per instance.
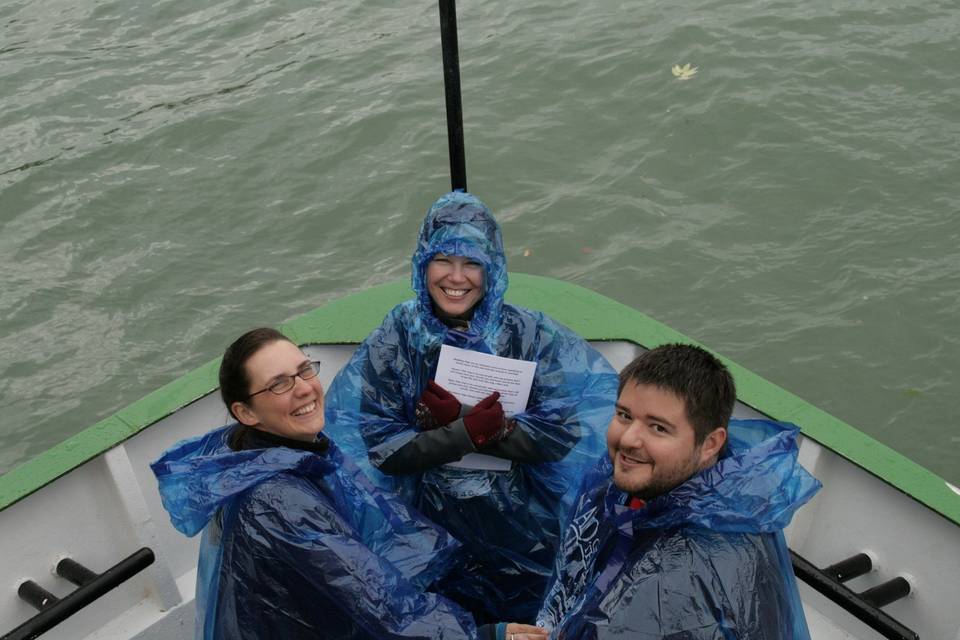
(296, 542)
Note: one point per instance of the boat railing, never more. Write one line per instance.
(865, 606)
(90, 587)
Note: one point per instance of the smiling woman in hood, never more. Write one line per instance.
(385, 405)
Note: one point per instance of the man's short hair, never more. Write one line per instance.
(695, 376)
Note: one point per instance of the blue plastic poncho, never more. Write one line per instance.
(706, 561)
(508, 521)
(300, 545)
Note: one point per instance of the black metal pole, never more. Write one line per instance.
(451, 85)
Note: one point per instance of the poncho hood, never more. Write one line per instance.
(200, 475)
(459, 224)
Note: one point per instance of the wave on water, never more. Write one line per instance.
(174, 174)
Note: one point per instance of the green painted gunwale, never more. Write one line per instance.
(350, 319)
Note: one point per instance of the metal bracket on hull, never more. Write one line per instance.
(90, 585)
(864, 606)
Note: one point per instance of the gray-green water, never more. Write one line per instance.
(172, 173)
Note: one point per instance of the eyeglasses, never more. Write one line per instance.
(282, 384)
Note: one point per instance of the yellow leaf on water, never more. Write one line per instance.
(685, 72)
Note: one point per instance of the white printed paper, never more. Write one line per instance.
(481, 461)
(471, 376)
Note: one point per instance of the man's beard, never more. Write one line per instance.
(660, 482)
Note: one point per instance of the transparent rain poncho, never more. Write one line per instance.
(508, 521)
(706, 561)
(300, 545)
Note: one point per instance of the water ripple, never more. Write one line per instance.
(176, 173)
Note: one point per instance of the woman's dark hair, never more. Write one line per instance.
(234, 381)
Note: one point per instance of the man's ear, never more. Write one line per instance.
(712, 446)
(244, 414)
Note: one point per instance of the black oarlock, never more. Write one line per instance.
(36, 596)
(850, 568)
(890, 591)
(75, 572)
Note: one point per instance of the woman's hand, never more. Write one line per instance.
(517, 631)
(437, 407)
(486, 422)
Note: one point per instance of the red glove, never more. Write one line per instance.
(485, 423)
(441, 407)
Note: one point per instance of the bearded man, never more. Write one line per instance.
(678, 533)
